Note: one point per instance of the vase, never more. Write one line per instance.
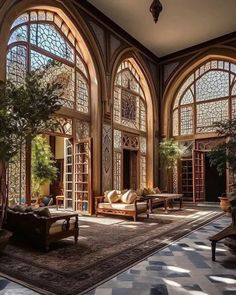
(224, 204)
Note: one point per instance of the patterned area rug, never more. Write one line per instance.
(105, 247)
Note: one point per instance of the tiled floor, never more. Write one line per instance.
(184, 267)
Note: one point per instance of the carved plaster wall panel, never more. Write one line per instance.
(106, 157)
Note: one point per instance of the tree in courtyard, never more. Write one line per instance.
(25, 111)
(169, 154)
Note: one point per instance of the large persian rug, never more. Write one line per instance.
(105, 247)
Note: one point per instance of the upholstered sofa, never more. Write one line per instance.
(131, 207)
(41, 227)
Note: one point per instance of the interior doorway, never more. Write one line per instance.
(130, 169)
(215, 183)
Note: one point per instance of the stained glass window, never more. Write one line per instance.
(52, 45)
(186, 120)
(41, 40)
(129, 100)
(204, 98)
(129, 111)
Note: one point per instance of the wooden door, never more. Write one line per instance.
(68, 174)
(133, 170)
(198, 176)
(82, 177)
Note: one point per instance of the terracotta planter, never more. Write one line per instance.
(4, 238)
(224, 204)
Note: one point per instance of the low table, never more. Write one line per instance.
(166, 197)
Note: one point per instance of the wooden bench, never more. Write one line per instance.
(122, 209)
(225, 233)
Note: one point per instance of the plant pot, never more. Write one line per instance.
(224, 204)
(4, 238)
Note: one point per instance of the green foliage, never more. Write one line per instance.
(43, 166)
(26, 111)
(225, 152)
(169, 153)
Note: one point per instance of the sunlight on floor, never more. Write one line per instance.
(223, 280)
(177, 269)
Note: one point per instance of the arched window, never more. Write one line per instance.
(41, 38)
(206, 96)
(129, 118)
(129, 99)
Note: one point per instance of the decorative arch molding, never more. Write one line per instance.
(148, 87)
(10, 10)
(181, 74)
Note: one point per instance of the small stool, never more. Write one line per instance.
(59, 200)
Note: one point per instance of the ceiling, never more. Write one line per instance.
(182, 23)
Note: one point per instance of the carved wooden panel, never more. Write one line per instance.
(107, 157)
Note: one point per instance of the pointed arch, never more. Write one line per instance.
(183, 79)
(71, 31)
(130, 75)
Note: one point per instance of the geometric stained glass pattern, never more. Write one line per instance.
(204, 98)
(213, 84)
(143, 172)
(186, 120)
(234, 108)
(175, 120)
(208, 113)
(117, 142)
(64, 126)
(45, 36)
(82, 129)
(52, 46)
(143, 145)
(16, 64)
(129, 100)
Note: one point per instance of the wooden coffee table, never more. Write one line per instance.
(166, 197)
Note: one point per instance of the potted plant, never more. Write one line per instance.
(25, 111)
(223, 156)
(44, 168)
(169, 154)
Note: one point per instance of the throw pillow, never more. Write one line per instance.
(42, 212)
(157, 190)
(129, 197)
(139, 192)
(105, 197)
(113, 197)
(18, 208)
(145, 192)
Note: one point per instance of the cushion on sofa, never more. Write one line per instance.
(18, 208)
(123, 206)
(42, 212)
(157, 190)
(139, 192)
(129, 197)
(113, 196)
